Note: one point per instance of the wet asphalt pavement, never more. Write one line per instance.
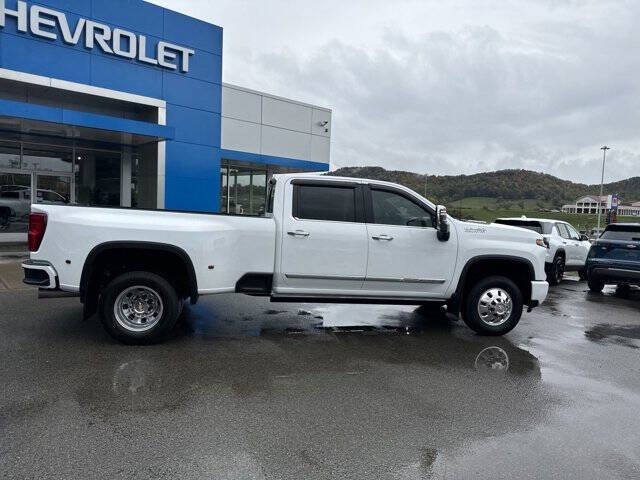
(250, 389)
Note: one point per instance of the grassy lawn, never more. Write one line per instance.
(488, 209)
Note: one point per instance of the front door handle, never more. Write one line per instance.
(298, 233)
(386, 238)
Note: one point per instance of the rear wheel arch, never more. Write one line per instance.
(133, 255)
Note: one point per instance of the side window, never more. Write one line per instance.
(390, 208)
(319, 202)
(572, 233)
(564, 232)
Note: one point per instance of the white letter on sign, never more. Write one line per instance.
(165, 57)
(20, 14)
(101, 38)
(142, 52)
(117, 43)
(37, 21)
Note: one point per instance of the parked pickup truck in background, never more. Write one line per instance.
(615, 257)
(322, 239)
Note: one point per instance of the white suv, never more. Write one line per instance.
(567, 249)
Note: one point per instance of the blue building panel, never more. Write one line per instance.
(195, 126)
(204, 160)
(271, 160)
(182, 29)
(28, 55)
(194, 194)
(65, 116)
(206, 66)
(188, 92)
(132, 15)
(108, 72)
(79, 7)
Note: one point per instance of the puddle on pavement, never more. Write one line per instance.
(628, 336)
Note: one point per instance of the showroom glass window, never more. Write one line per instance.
(391, 208)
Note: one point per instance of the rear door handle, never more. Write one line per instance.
(298, 233)
(386, 238)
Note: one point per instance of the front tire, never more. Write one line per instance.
(583, 274)
(556, 270)
(493, 306)
(139, 308)
(595, 283)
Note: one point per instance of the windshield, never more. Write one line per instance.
(624, 234)
(538, 227)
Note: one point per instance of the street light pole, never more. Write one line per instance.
(604, 157)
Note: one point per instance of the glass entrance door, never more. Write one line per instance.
(53, 189)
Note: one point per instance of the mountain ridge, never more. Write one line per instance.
(510, 184)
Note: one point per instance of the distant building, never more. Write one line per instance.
(589, 205)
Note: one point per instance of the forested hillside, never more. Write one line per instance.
(508, 185)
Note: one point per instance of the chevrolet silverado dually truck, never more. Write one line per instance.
(322, 239)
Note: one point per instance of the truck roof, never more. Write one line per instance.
(331, 178)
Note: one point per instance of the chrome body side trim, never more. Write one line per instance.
(433, 281)
(324, 277)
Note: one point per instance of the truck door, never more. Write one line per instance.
(405, 256)
(324, 239)
(567, 244)
(580, 250)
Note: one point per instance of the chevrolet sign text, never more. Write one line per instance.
(51, 24)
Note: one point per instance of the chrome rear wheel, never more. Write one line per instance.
(138, 308)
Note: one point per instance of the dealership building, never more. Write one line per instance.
(121, 103)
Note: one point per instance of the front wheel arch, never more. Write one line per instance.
(518, 269)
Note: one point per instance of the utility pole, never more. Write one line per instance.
(604, 158)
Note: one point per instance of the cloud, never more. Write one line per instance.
(457, 88)
(473, 99)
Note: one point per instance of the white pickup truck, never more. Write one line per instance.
(322, 239)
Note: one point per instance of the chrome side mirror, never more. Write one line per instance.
(443, 224)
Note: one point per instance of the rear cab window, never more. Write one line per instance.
(327, 201)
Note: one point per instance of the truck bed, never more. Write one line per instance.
(240, 244)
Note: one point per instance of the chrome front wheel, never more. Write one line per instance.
(138, 308)
(495, 306)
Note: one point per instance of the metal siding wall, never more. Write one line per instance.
(193, 99)
(274, 127)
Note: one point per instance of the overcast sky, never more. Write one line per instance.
(449, 87)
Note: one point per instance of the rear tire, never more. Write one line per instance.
(139, 308)
(595, 283)
(556, 270)
(493, 306)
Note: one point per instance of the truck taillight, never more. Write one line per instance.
(37, 227)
